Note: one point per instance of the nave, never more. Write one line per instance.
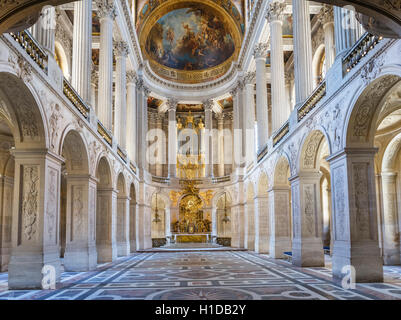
(223, 275)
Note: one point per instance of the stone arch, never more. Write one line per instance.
(318, 59)
(262, 184)
(21, 109)
(281, 172)
(160, 219)
(391, 181)
(123, 216)
(361, 122)
(250, 217)
(74, 195)
(132, 217)
(105, 219)
(311, 149)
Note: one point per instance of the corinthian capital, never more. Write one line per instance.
(326, 14)
(121, 48)
(249, 77)
(261, 50)
(106, 9)
(208, 104)
(275, 11)
(172, 104)
(131, 76)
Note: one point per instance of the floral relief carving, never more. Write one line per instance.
(309, 212)
(339, 203)
(78, 207)
(54, 121)
(30, 201)
(361, 198)
(51, 208)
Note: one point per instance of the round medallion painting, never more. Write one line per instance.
(190, 39)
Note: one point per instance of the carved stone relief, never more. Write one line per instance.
(30, 202)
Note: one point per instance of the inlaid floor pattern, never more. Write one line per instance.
(203, 275)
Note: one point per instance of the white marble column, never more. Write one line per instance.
(107, 14)
(391, 230)
(80, 251)
(132, 222)
(208, 105)
(262, 117)
(302, 50)
(262, 234)
(141, 123)
(249, 117)
(44, 30)
(143, 220)
(355, 215)
(121, 51)
(36, 212)
(347, 29)
(172, 137)
(220, 144)
(326, 18)
(94, 89)
(307, 244)
(249, 213)
(280, 110)
(289, 86)
(159, 162)
(82, 49)
(280, 232)
(131, 115)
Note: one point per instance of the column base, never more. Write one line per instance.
(145, 244)
(250, 244)
(278, 246)
(25, 268)
(262, 246)
(123, 249)
(391, 257)
(364, 257)
(308, 252)
(106, 252)
(4, 259)
(132, 246)
(80, 258)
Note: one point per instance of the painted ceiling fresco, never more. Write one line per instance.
(190, 39)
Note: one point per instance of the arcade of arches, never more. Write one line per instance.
(176, 136)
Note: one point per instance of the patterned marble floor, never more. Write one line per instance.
(205, 276)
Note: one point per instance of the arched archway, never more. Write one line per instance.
(280, 212)
(307, 244)
(77, 213)
(105, 219)
(223, 219)
(250, 218)
(37, 175)
(123, 216)
(132, 218)
(262, 219)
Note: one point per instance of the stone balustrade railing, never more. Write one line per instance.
(75, 99)
(263, 153)
(160, 180)
(312, 101)
(122, 154)
(221, 179)
(361, 48)
(104, 133)
(30, 45)
(285, 129)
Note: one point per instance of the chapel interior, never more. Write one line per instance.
(218, 149)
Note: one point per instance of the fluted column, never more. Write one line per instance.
(220, 144)
(262, 117)
(289, 85)
(347, 29)
(172, 137)
(208, 105)
(106, 13)
(121, 51)
(94, 88)
(249, 117)
(391, 245)
(326, 18)
(131, 114)
(237, 137)
(159, 162)
(280, 110)
(141, 123)
(44, 30)
(302, 50)
(82, 49)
